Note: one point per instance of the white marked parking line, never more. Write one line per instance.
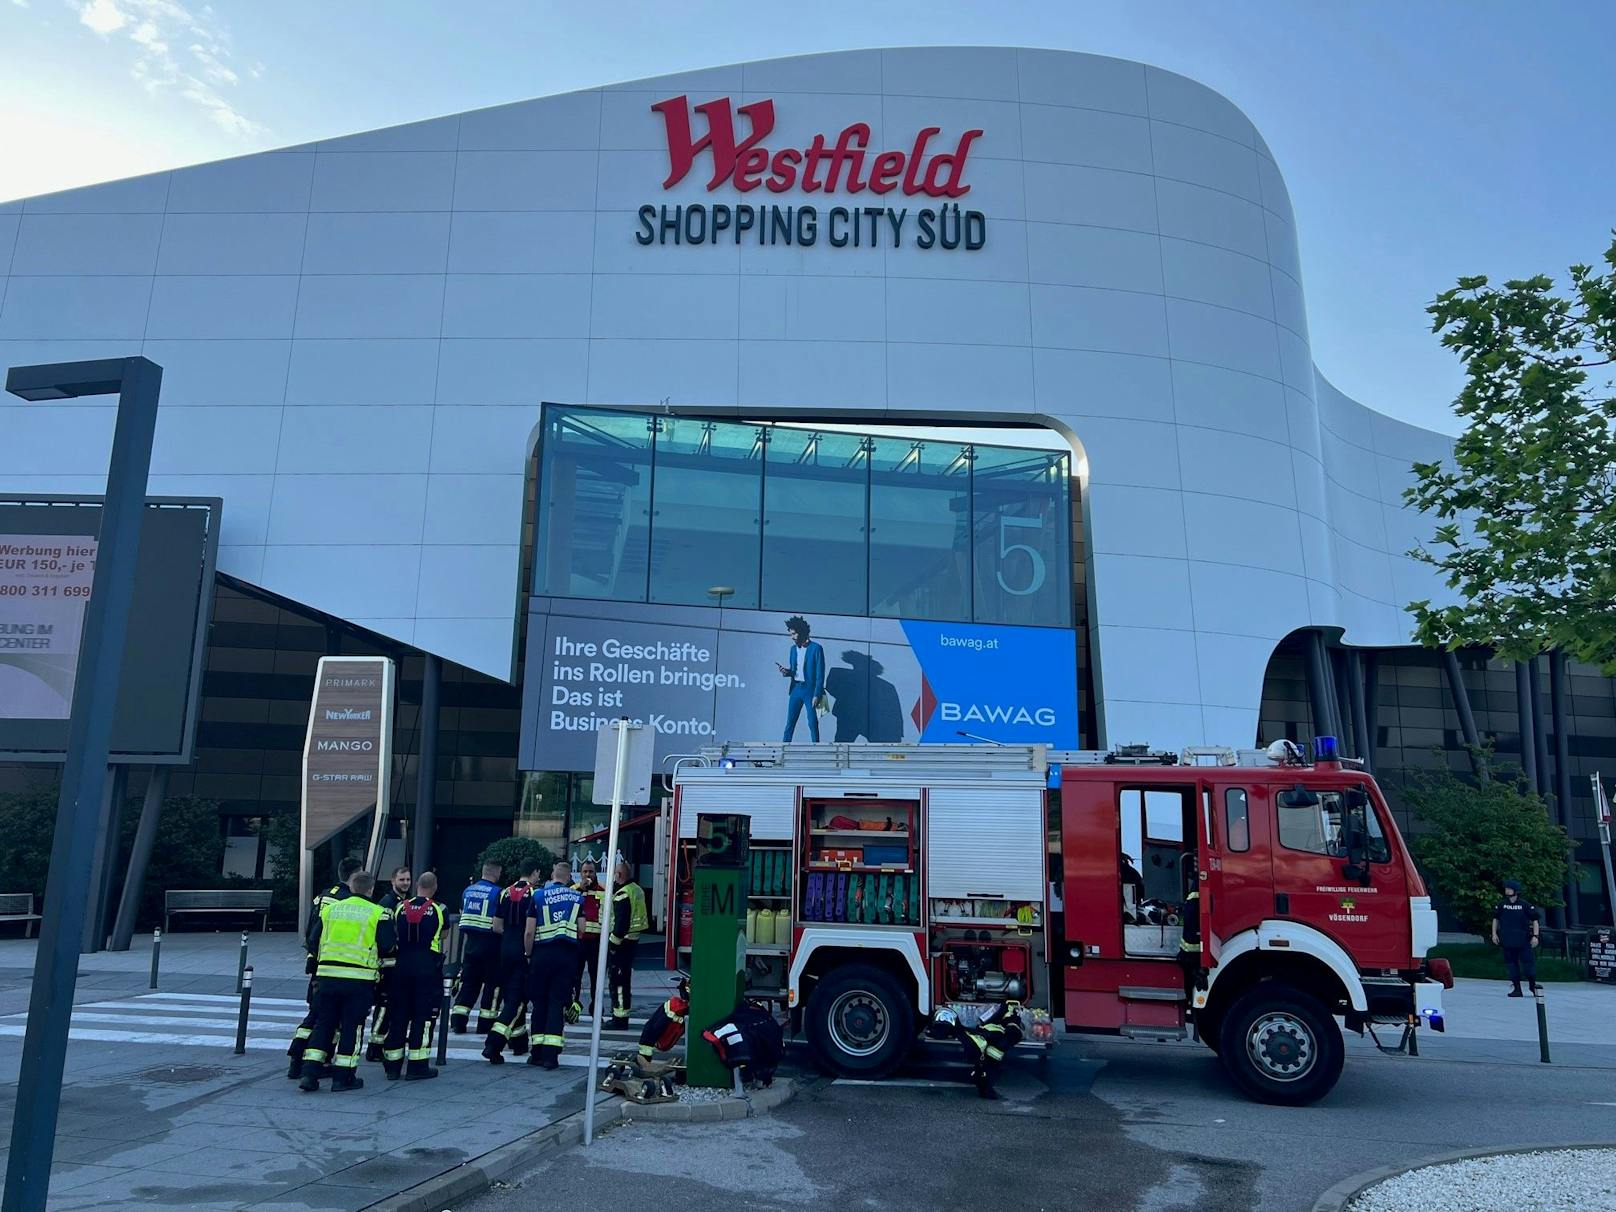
(922, 1083)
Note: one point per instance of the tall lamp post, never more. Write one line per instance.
(136, 382)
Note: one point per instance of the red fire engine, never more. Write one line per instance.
(1252, 898)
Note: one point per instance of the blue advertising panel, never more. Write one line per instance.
(699, 676)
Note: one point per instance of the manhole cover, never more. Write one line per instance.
(181, 1075)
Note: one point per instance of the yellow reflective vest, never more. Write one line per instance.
(349, 940)
(633, 896)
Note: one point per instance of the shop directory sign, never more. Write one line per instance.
(44, 587)
(696, 680)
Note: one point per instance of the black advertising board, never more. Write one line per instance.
(1602, 955)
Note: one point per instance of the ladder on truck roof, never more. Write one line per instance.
(822, 760)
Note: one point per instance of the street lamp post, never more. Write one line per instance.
(136, 382)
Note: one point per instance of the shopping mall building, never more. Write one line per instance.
(587, 395)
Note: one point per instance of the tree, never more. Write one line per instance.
(1481, 836)
(518, 855)
(1527, 509)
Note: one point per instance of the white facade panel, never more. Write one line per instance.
(397, 304)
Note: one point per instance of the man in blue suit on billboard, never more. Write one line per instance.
(805, 677)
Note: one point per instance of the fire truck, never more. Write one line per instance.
(1253, 898)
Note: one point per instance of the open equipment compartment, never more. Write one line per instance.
(860, 859)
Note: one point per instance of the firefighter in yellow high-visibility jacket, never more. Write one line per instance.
(349, 940)
(628, 922)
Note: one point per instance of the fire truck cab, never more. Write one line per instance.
(1253, 899)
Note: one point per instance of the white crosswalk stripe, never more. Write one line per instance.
(208, 1020)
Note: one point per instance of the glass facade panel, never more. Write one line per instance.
(1020, 522)
(594, 504)
(920, 527)
(707, 512)
(816, 522)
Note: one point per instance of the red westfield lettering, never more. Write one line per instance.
(747, 163)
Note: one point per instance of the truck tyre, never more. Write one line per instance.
(860, 1022)
(1281, 1046)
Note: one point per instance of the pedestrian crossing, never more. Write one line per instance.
(208, 1020)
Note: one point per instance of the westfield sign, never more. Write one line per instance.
(708, 139)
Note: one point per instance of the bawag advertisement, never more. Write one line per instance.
(752, 676)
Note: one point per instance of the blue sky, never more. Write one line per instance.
(1420, 141)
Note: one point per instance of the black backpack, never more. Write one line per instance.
(750, 1040)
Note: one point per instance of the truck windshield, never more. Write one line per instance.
(1316, 829)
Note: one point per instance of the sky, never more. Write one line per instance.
(1421, 140)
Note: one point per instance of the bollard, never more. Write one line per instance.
(443, 1026)
(246, 1001)
(156, 950)
(1542, 1029)
(1413, 1035)
(241, 964)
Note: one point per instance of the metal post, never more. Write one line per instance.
(1562, 776)
(156, 951)
(246, 1002)
(1318, 685)
(443, 1024)
(1523, 715)
(1467, 719)
(610, 867)
(134, 883)
(106, 619)
(1542, 1030)
(100, 927)
(1363, 746)
(1413, 1035)
(1371, 675)
(241, 964)
(1540, 736)
(426, 765)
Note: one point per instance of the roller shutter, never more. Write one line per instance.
(986, 842)
(771, 806)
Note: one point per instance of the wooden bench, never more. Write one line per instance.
(19, 907)
(236, 901)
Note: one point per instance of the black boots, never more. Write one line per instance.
(493, 1053)
(294, 1071)
(1514, 990)
(392, 1069)
(419, 1071)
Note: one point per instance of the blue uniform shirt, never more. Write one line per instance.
(559, 908)
(477, 904)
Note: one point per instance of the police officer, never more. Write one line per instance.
(628, 923)
(1515, 929)
(300, 1037)
(398, 891)
(479, 968)
(416, 981)
(513, 922)
(349, 940)
(554, 967)
(589, 919)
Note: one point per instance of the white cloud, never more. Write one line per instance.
(197, 74)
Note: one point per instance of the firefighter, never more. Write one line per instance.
(300, 1037)
(588, 935)
(1189, 943)
(555, 963)
(398, 891)
(350, 938)
(666, 1026)
(417, 979)
(513, 922)
(628, 922)
(479, 957)
(997, 1031)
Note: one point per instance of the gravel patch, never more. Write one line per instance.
(1543, 1181)
(701, 1094)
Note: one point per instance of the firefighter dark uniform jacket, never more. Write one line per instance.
(629, 919)
(477, 908)
(515, 906)
(559, 907)
(351, 936)
(418, 924)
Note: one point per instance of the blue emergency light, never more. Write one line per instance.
(1324, 749)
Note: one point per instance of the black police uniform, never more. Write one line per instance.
(414, 988)
(479, 968)
(510, 1027)
(1515, 919)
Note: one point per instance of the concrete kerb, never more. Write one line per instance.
(478, 1175)
(1343, 1193)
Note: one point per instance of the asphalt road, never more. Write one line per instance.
(1102, 1124)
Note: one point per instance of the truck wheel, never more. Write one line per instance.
(859, 1022)
(1281, 1045)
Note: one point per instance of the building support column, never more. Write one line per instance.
(1318, 686)
(1371, 669)
(104, 862)
(1562, 775)
(1525, 716)
(151, 812)
(1364, 748)
(1467, 719)
(426, 765)
(1540, 734)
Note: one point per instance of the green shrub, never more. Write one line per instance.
(516, 854)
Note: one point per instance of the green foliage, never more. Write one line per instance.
(516, 854)
(281, 833)
(1483, 961)
(27, 821)
(1481, 836)
(1527, 510)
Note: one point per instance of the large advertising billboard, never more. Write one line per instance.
(698, 676)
